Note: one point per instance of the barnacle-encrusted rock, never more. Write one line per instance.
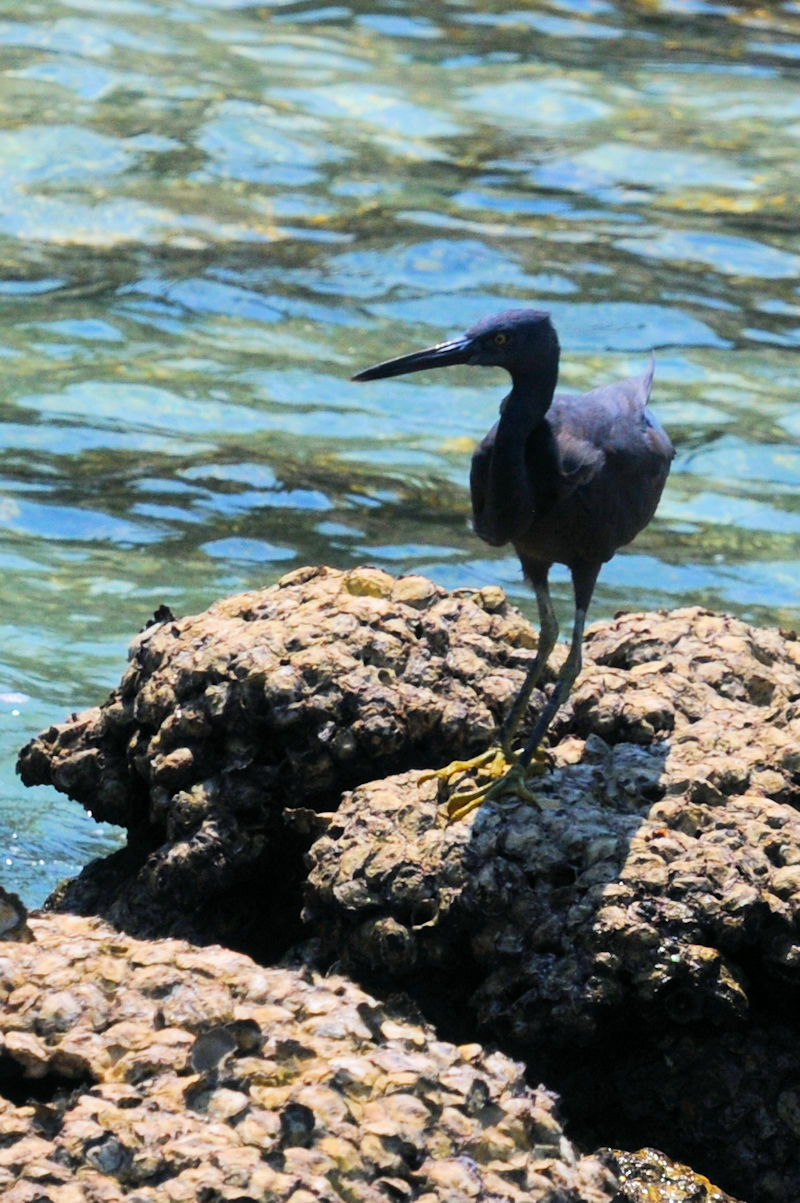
(725, 694)
(657, 875)
(13, 917)
(648, 1176)
(635, 938)
(641, 928)
(270, 700)
(159, 1071)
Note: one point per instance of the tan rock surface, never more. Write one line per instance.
(271, 700)
(648, 1176)
(640, 929)
(635, 939)
(168, 1072)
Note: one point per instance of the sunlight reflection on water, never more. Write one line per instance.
(214, 212)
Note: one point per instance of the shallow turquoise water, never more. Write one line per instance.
(213, 213)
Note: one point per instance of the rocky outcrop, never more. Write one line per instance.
(639, 929)
(661, 875)
(156, 1070)
(633, 938)
(648, 1176)
(230, 727)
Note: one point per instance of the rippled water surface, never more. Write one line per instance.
(211, 213)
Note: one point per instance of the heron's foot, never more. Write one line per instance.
(506, 777)
(492, 761)
(512, 783)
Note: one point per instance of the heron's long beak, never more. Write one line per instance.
(458, 350)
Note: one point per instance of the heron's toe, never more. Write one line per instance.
(492, 761)
(512, 783)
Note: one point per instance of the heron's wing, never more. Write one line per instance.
(616, 459)
(600, 452)
(580, 460)
(557, 460)
(612, 420)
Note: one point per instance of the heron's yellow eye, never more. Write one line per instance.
(500, 339)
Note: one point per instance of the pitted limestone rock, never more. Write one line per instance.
(649, 906)
(639, 930)
(269, 702)
(561, 917)
(191, 1073)
(293, 692)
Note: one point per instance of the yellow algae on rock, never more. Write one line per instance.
(368, 582)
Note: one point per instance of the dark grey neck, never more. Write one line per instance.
(532, 391)
(511, 492)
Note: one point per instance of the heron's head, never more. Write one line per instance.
(519, 340)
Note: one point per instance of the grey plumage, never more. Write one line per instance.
(564, 479)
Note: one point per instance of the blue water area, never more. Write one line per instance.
(215, 211)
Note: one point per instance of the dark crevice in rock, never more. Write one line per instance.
(22, 1090)
(686, 1091)
(257, 912)
(440, 999)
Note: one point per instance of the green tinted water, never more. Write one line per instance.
(212, 213)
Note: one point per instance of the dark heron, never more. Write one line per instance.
(565, 479)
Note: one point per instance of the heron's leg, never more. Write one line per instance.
(548, 634)
(513, 781)
(584, 578)
(561, 691)
(494, 762)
